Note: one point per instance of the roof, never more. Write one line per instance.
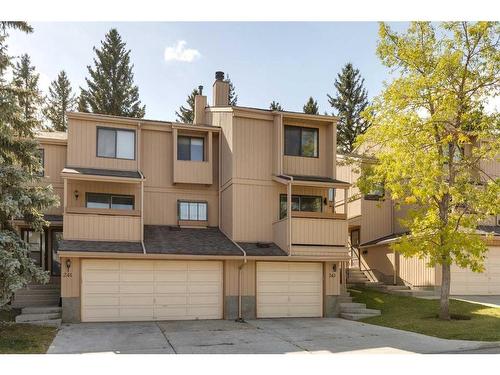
(101, 246)
(383, 240)
(262, 249)
(102, 172)
(53, 218)
(164, 239)
(489, 229)
(314, 179)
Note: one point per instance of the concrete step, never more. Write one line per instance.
(25, 318)
(38, 302)
(395, 287)
(357, 316)
(344, 299)
(38, 294)
(48, 322)
(43, 286)
(355, 310)
(41, 310)
(348, 305)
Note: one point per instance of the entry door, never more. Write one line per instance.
(37, 246)
(354, 237)
(289, 289)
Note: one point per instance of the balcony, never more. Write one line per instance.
(193, 172)
(101, 225)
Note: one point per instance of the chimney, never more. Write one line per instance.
(220, 97)
(200, 103)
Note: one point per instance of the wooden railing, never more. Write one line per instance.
(319, 231)
(193, 172)
(280, 233)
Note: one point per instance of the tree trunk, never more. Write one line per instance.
(444, 306)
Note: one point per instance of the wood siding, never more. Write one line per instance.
(54, 162)
(376, 220)
(70, 278)
(231, 269)
(307, 231)
(101, 227)
(415, 272)
(82, 146)
(280, 234)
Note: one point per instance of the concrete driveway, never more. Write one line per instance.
(278, 336)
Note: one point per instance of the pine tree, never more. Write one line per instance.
(60, 100)
(22, 196)
(186, 114)
(275, 106)
(311, 107)
(25, 79)
(111, 88)
(232, 98)
(349, 102)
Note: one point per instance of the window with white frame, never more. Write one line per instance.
(192, 211)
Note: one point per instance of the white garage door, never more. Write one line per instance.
(289, 289)
(466, 282)
(131, 290)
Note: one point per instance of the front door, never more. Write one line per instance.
(56, 235)
(37, 246)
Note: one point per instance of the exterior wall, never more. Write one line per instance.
(54, 162)
(349, 173)
(70, 290)
(160, 192)
(320, 166)
(82, 145)
(415, 272)
(102, 227)
(378, 262)
(331, 307)
(376, 219)
(84, 187)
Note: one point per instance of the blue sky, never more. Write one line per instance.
(287, 62)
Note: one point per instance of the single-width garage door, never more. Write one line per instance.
(466, 282)
(289, 289)
(131, 290)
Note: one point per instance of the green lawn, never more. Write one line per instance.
(23, 338)
(420, 315)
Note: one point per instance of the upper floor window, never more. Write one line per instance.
(113, 201)
(300, 141)
(307, 203)
(41, 157)
(376, 193)
(116, 143)
(190, 148)
(193, 211)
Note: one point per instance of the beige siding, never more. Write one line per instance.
(101, 227)
(231, 269)
(84, 187)
(308, 231)
(54, 162)
(376, 220)
(332, 278)
(379, 260)
(225, 122)
(226, 197)
(82, 146)
(415, 272)
(193, 172)
(70, 278)
(280, 233)
(349, 173)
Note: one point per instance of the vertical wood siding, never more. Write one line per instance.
(101, 227)
(231, 278)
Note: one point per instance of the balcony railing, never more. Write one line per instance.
(101, 225)
(193, 172)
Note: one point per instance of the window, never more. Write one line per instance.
(190, 148)
(301, 141)
(115, 202)
(305, 203)
(377, 193)
(116, 143)
(41, 157)
(194, 211)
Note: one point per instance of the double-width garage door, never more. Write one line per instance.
(289, 289)
(132, 290)
(466, 282)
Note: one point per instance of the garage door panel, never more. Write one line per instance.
(289, 289)
(151, 290)
(171, 276)
(464, 281)
(103, 300)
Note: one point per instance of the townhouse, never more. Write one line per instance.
(374, 223)
(233, 216)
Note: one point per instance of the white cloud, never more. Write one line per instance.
(179, 52)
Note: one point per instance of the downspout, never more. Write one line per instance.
(289, 211)
(142, 186)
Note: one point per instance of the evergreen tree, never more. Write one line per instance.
(111, 88)
(82, 102)
(22, 196)
(233, 98)
(350, 101)
(275, 106)
(311, 107)
(25, 79)
(60, 100)
(186, 113)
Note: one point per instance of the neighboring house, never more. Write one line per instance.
(374, 224)
(163, 220)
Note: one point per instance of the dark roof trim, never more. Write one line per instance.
(313, 179)
(101, 246)
(104, 172)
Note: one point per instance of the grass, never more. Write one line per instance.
(420, 315)
(23, 338)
